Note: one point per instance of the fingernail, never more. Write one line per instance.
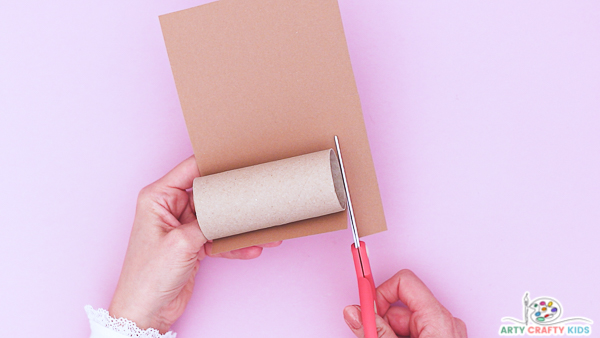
(354, 321)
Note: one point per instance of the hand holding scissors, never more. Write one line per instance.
(424, 316)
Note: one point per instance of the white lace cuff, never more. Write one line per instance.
(105, 326)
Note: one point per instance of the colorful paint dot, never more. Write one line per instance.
(540, 319)
(543, 309)
(542, 303)
(534, 305)
(550, 304)
(546, 316)
(538, 313)
(554, 309)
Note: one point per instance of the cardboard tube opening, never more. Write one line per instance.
(269, 194)
(338, 181)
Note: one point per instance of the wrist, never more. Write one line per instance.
(102, 324)
(142, 317)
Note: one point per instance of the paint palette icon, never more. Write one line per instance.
(545, 310)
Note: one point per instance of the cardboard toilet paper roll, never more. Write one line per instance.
(269, 194)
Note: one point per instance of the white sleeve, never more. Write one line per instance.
(105, 326)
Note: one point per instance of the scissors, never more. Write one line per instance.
(366, 286)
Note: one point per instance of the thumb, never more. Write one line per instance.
(352, 316)
(190, 238)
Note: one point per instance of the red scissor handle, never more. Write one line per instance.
(366, 289)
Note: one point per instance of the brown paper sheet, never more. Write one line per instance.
(263, 80)
(269, 194)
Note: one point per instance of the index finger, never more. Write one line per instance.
(408, 288)
(182, 176)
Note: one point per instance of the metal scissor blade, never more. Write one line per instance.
(350, 209)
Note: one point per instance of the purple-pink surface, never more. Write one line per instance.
(483, 120)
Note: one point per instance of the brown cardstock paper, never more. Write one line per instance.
(269, 194)
(264, 80)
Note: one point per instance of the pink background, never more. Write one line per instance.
(483, 119)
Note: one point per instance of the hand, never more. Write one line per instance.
(165, 249)
(424, 316)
